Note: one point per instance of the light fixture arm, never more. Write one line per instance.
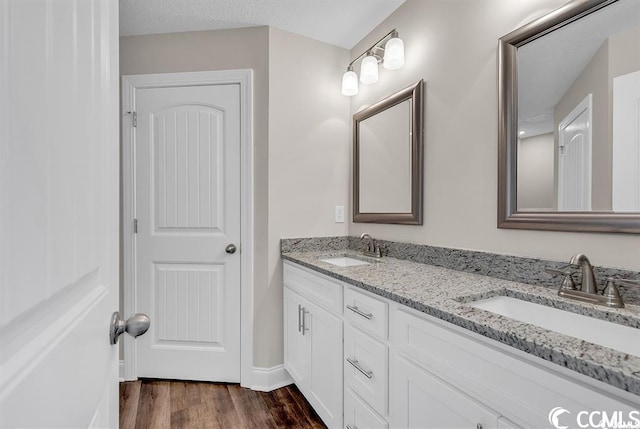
(393, 33)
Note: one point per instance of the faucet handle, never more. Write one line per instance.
(567, 281)
(377, 249)
(558, 272)
(612, 293)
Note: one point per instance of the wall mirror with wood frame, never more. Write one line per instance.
(388, 160)
(569, 146)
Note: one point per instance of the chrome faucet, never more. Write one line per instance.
(373, 249)
(588, 284)
(588, 292)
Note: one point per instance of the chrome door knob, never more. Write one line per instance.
(135, 326)
(231, 248)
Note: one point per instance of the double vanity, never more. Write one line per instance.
(386, 342)
(424, 337)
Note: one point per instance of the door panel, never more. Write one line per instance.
(296, 345)
(325, 387)
(59, 211)
(574, 159)
(187, 180)
(187, 303)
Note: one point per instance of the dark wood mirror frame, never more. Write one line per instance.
(508, 216)
(414, 93)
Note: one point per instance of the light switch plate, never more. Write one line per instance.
(339, 214)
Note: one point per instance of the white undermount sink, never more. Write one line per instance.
(344, 261)
(612, 335)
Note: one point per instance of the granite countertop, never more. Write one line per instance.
(444, 293)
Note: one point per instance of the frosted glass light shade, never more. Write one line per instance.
(349, 83)
(393, 54)
(369, 70)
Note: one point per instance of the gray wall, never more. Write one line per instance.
(452, 44)
(309, 146)
(535, 173)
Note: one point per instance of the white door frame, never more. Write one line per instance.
(130, 83)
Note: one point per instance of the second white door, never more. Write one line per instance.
(574, 158)
(187, 207)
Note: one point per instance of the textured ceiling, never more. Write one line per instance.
(549, 65)
(338, 22)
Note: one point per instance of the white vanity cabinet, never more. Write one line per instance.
(313, 344)
(402, 368)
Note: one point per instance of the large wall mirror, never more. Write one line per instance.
(387, 159)
(569, 136)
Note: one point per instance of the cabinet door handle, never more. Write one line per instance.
(359, 312)
(304, 320)
(299, 318)
(351, 427)
(356, 365)
(479, 426)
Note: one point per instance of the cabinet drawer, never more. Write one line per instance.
(367, 312)
(366, 368)
(313, 286)
(358, 415)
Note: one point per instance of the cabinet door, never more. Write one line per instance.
(419, 399)
(358, 415)
(325, 384)
(296, 345)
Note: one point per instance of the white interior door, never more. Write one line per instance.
(626, 143)
(574, 159)
(59, 215)
(187, 206)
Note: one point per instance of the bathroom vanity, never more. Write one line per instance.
(393, 343)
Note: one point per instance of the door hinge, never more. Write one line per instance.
(135, 226)
(134, 118)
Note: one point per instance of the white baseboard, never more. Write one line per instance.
(268, 379)
(264, 379)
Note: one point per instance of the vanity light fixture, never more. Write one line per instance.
(389, 51)
(369, 69)
(350, 82)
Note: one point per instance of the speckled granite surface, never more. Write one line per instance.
(444, 293)
(313, 244)
(506, 267)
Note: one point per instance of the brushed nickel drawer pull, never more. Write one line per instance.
(356, 365)
(359, 312)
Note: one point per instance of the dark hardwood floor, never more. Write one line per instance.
(159, 404)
